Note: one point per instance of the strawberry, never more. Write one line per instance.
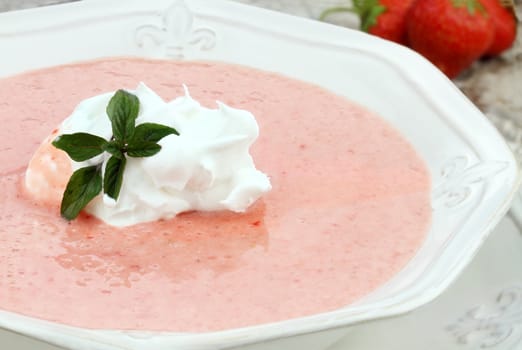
(450, 33)
(505, 24)
(383, 18)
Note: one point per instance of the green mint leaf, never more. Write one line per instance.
(152, 132)
(80, 146)
(123, 109)
(115, 148)
(83, 186)
(113, 177)
(143, 149)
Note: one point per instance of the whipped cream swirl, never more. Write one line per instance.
(207, 167)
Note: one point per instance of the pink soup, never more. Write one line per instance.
(349, 208)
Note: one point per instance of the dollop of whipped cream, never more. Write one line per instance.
(207, 167)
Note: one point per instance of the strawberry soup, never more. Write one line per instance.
(349, 207)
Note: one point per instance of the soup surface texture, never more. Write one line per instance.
(349, 207)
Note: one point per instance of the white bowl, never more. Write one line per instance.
(474, 173)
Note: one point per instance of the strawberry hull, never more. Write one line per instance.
(392, 23)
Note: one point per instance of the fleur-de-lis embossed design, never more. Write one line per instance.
(176, 32)
(459, 177)
(483, 330)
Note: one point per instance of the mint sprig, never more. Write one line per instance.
(128, 139)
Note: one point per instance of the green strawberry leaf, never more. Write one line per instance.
(369, 11)
(83, 186)
(80, 146)
(471, 5)
(123, 110)
(330, 11)
(361, 6)
(152, 132)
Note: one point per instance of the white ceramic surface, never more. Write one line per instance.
(473, 171)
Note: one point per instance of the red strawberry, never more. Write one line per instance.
(383, 18)
(505, 27)
(450, 33)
